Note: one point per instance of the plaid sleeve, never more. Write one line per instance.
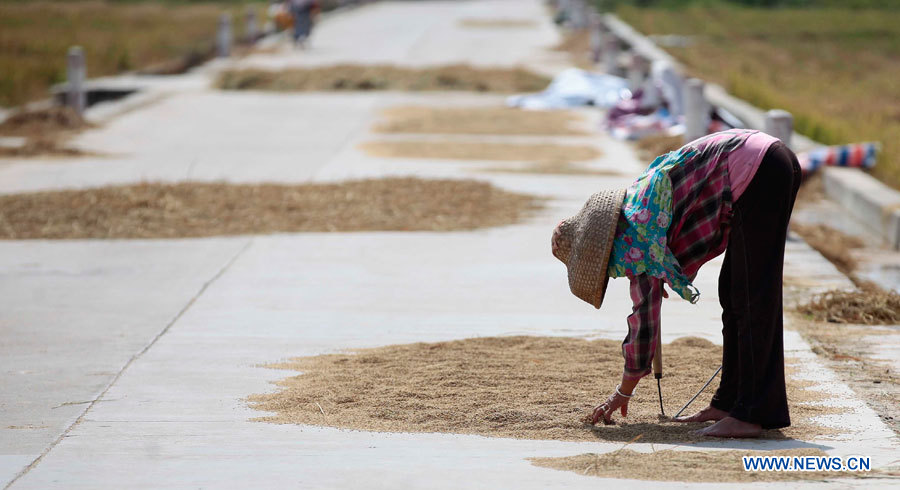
(643, 325)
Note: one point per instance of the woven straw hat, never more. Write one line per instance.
(585, 243)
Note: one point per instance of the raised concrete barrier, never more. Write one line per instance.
(872, 202)
(863, 196)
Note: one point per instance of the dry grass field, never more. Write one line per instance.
(835, 68)
(117, 37)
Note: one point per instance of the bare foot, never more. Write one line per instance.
(705, 415)
(731, 427)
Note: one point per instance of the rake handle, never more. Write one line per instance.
(657, 371)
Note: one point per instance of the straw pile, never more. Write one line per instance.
(476, 150)
(385, 77)
(478, 120)
(868, 305)
(683, 466)
(208, 209)
(522, 387)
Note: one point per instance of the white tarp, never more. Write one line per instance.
(575, 88)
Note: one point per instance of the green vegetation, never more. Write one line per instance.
(677, 4)
(835, 69)
(116, 36)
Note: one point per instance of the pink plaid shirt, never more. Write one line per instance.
(701, 213)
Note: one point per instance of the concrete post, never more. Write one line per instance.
(223, 37)
(596, 27)
(251, 30)
(780, 124)
(598, 33)
(76, 73)
(611, 54)
(573, 10)
(637, 71)
(579, 14)
(696, 110)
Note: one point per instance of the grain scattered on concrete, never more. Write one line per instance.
(653, 146)
(478, 120)
(385, 77)
(577, 45)
(551, 167)
(43, 132)
(521, 387)
(498, 23)
(155, 210)
(477, 150)
(684, 466)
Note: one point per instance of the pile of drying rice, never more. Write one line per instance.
(522, 387)
(385, 77)
(208, 209)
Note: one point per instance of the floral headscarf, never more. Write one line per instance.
(641, 248)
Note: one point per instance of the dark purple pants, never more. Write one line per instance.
(752, 385)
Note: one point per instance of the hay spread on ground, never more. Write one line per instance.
(478, 120)
(208, 209)
(44, 132)
(477, 150)
(521, 387)
(385, 77)
(832, 244)
(684, 466)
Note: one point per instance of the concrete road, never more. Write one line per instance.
(126, 363)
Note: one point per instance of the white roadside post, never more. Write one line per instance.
(223, 37)
(580, 16)
(76, 73)
(597, 34)
(780, 124)
(611, 54)
(251, 31)
(696, 110)
(637, 71)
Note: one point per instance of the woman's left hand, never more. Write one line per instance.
(605, 410)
